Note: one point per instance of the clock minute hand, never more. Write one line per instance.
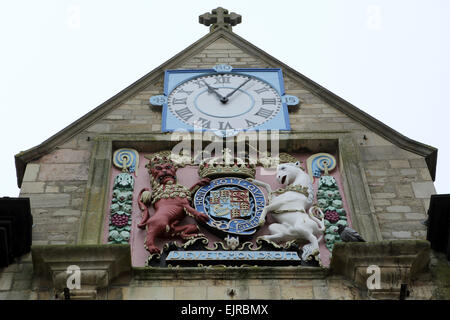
(225, 99)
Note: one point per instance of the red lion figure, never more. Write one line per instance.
(171, 202)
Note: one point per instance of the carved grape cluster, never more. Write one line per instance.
(119, 220)
(332, 216)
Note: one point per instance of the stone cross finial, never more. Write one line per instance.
(220, 18)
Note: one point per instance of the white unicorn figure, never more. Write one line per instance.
(292, 209)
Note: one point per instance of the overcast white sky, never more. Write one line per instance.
(60, 59)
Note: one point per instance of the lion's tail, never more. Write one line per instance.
(144, 200)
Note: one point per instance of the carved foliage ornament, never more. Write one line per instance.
(329, 197)
(122, 196)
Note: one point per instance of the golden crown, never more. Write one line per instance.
(167, 156)
(158, 159)
(268, 160)
(226, 165)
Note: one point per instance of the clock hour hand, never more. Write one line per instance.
(225, 99)
(213, 90)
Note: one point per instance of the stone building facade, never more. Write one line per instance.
(387, 177)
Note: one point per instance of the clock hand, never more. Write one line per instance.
(211, 89)
(225, 99)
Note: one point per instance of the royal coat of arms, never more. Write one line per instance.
(229, 203)
(233, 204)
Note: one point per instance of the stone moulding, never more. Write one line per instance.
(229, 273)
(99, 264)
(399, 261)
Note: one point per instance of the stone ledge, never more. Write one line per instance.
(228, 273)
(399, 261)
(99, 264)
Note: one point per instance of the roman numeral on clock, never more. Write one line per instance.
(185, 91)
(227, 126)
(250, 123)
(222, 80)
(269, 101)
(265, 113)
(184, 113)
(200, 83)
(259, 91)
(203, 123)
(179, 101)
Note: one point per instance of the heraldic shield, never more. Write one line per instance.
(234, 205)
(230, 203)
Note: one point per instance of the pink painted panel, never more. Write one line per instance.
(188, 176)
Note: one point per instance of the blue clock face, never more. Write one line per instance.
(224, 100)
(227, 101)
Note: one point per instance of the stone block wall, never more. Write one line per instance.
(400, 186)
(16, 280)
(288, 289)
(222, 51)
(55, 185)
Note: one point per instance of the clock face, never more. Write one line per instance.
(229, 101)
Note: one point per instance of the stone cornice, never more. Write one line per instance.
(223, 273)
(99, 264)
(398, 261)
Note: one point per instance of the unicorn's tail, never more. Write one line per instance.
(312, 215)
